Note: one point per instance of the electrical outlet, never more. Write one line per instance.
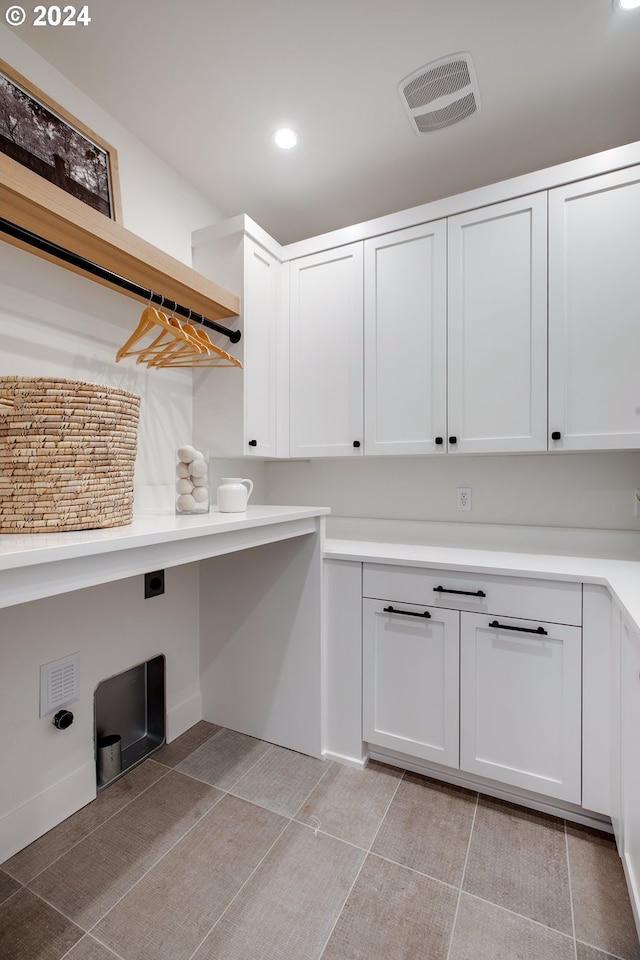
(637, 503)
(154, 584)
(463, 498)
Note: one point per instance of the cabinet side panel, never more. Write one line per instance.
(596, 699)
(342, 662)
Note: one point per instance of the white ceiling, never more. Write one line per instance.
(205, 82)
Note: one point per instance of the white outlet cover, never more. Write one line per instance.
(463, 498)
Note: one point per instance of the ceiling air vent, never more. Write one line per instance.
(442, 93)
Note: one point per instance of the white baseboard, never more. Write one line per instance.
(183, 716)
(37, 816)
(359, 762)
(490, 788)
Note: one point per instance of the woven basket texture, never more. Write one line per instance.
(67, 455)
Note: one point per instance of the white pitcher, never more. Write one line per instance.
(233, 494)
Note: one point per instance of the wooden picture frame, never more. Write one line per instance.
(41, 135)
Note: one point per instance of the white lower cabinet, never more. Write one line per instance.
(484, 692)
(410, 679)
(630, 760)
(520, 703)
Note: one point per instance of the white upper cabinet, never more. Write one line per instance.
(235, 411)
(261, 305)
(498, 328)
(326, 303)
(406, 340)
(594, 313)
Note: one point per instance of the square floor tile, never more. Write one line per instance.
(351, 803)
(170, 911)
(31, 861)
(281, 780)
(486, 932)
(171, 754)
(393, 913)
(287, 910)
(427, 828)
(601, 905)
(518, 860)
(8, 886)
(32, 930)
(224, 759)
(86, 882)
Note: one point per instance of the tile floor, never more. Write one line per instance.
(222, 847)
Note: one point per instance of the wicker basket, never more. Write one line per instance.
(67, 455)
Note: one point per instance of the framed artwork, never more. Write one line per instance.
(41, 135)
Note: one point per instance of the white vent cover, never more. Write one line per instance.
(441, 93)
(59, 683)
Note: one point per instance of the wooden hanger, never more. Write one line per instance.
(173, 345)
(165, 346)
(212, 356)
(150, 322)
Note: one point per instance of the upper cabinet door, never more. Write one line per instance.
(406, 340)
(594, 313)
(261, 309)
(498, 328)
(326, 302)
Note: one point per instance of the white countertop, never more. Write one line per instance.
(622, 576)
(23, 549)
(38, 565)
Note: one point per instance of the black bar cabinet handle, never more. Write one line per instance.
(408, 613)
(462, 593)
(503, 626)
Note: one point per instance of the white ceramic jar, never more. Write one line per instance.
(233, 494)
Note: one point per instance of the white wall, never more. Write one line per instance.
(581, 490)
(47, 773)
(55, 323)
(157, 203)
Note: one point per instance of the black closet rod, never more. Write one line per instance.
(19, 233)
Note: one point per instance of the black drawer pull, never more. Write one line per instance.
(408, 613)
(556, 435)
(253, 443)
(462, 593)
(439, 441)
(503, 626)
(453, 440)
(356, 443)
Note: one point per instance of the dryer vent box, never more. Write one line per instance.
(441, 93)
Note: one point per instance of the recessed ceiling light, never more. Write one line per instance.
(285, 138)
(626, 4)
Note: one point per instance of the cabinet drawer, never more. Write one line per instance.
(547, 600)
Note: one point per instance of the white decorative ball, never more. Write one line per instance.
(198, 468)
(187, 453)
(186, 502)
(184, 486)
(182, 470)
(200, 494)
(199, 481)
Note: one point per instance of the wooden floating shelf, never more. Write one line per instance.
(34, 204)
